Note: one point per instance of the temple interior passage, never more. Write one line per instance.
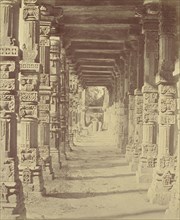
(89, 109)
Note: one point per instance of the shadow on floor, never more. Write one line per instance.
(98, 166)
(102, 177)
(77, 195)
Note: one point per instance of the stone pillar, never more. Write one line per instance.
(54, 103)
(163, 176)
(131, 98)
(45, 94)
(30, 170)
(11, 194)
(135, 147)
(62, 107)
(150, 95)
(173, 210)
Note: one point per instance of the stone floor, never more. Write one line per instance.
(95, 184)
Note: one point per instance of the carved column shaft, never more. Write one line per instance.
(159, 191)
(150, 94)
(30, 170)
(54, 103)
(11, 195)
(45, 94)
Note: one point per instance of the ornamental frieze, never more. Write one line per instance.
(11, 51)
(8, 106)
(45, 30)
(30, 66)
(167, 119)
(167, 90)
(149, 150)
(28, 96)
(44, 42)
(27, 110)
(167, 162)
(7, 84)
(6, 68)
(44, 117)
(31, 13)
(168, 105)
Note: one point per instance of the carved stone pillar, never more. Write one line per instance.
(62, 105)
(163, 176)
(173, 210)
(11, 194)
(137, 141)
(54, 103)
(131, 98)
(30, 170)
(135, 147)
(45, 94)
(150, 94)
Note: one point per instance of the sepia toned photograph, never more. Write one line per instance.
(89, 109)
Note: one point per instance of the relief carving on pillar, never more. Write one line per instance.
(4, 193)
(167, 105)
(44, 117)
(28, 110)
(168, 179)
(27, 176)
(7, 102)
(31, 12)
(28, 157)
(44, 80)
(8, 171)
(7, 84)
(29, 96)
(168, 162)
(150, 151)
(150, 107)
(138, 109)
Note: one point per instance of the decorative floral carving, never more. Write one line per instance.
(28, 96)
(7, 84)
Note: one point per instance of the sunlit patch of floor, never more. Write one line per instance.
(96, 184)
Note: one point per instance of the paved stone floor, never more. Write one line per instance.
(95, 184)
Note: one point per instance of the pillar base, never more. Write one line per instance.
(32, 181)
(129, 154)
(13, 208)
(133, 165)
(157, 194)
(173, 211)
(55, 158)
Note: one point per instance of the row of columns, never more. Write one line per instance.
(152, 148)
(33, 116)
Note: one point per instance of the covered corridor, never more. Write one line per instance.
(89, 109)
(96, 183)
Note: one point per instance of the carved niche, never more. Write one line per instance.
(28, 157)
(7, 171)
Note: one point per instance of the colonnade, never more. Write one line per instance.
(42, 103)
